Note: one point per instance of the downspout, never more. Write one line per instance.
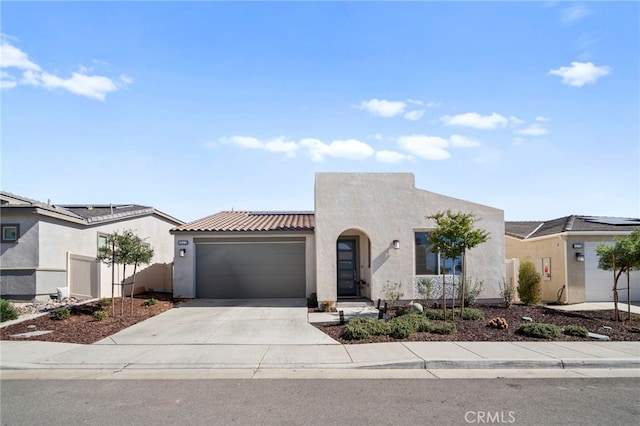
(566, 270)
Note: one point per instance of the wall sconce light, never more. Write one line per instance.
(396, 244)
(579, 257)
(183, 251)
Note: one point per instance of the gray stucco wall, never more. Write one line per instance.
(45, 242)
(388, 207)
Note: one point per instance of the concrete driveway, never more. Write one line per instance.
(226, 322)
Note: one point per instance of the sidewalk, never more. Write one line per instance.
(406, 355)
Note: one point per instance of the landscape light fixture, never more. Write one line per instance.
(579, 257)
(183, 251)
(396, 244)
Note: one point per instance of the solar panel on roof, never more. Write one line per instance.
(612, 220)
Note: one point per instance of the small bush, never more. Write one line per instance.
(471, 314)
(434, 314)
(443, 328)
(529, 288)
(392, 293)
(539, 330)
(373, 326)
(426, 288)
(507, 291)
(150, 302)
(467, 314)
(471, 291)
(312, 301)
(576, 331)
(8, 312)
(103, 303)
(62, 314)
(355, 331)
(326, 305)
(402, 330)
(100, 315)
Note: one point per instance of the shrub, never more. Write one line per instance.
(355, 331)
(471, 314)
(402, 330)
(467, 314)
(373, 326)
(529, 283)
(576, 331)
(100, 315)
(471, 291)
(103, 303)
(392, 293)
(507, 292)
(312, 301)
(62, 314)
(443, 328)
(434, 314)
(326, 305)
(426, 289)
(8, 312)
(150, 302)
(539, 330)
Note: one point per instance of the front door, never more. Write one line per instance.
(347, 267)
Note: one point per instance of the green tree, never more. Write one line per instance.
(621, 257)
(529, 283)
(455, 234)
(124, 249)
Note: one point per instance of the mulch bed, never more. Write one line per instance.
(82, 328)
(477, 330)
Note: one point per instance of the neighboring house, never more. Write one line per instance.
(564, 252)
(367, 230)
(46, 247)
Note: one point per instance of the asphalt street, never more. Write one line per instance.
(321, 402)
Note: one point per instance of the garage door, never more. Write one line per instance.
(250, 269)
(599, 283)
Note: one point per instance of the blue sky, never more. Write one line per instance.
(193, 108)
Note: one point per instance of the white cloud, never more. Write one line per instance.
(378, 136)
(349, 149)
(517, 141)
(414, 115)
(7, 81)
(80, 83)
(459, 141)
(12, 57)
(432, 104)
(244, 142)
(515, 121)
(534, 129)
(475, 120)
(289, 148)
(581, 73)
(383, 108)
(91, 86)
(541, 118)
(415, 101)
(427, 147)
(392, 157)
(572, 14)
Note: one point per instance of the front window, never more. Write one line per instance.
(102, 241)
(429, 263)
(10, 233)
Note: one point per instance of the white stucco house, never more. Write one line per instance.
(367, 230)
(45, 247)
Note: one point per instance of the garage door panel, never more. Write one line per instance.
(250, 270)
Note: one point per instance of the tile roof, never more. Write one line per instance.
(243, 221)
(573, 223)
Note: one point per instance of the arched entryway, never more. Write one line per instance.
(353, 254)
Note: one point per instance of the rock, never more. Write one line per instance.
(598, 336)
(606, 327)
(527, 319)
(416, 307)
(31, 334)
(31, 326)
